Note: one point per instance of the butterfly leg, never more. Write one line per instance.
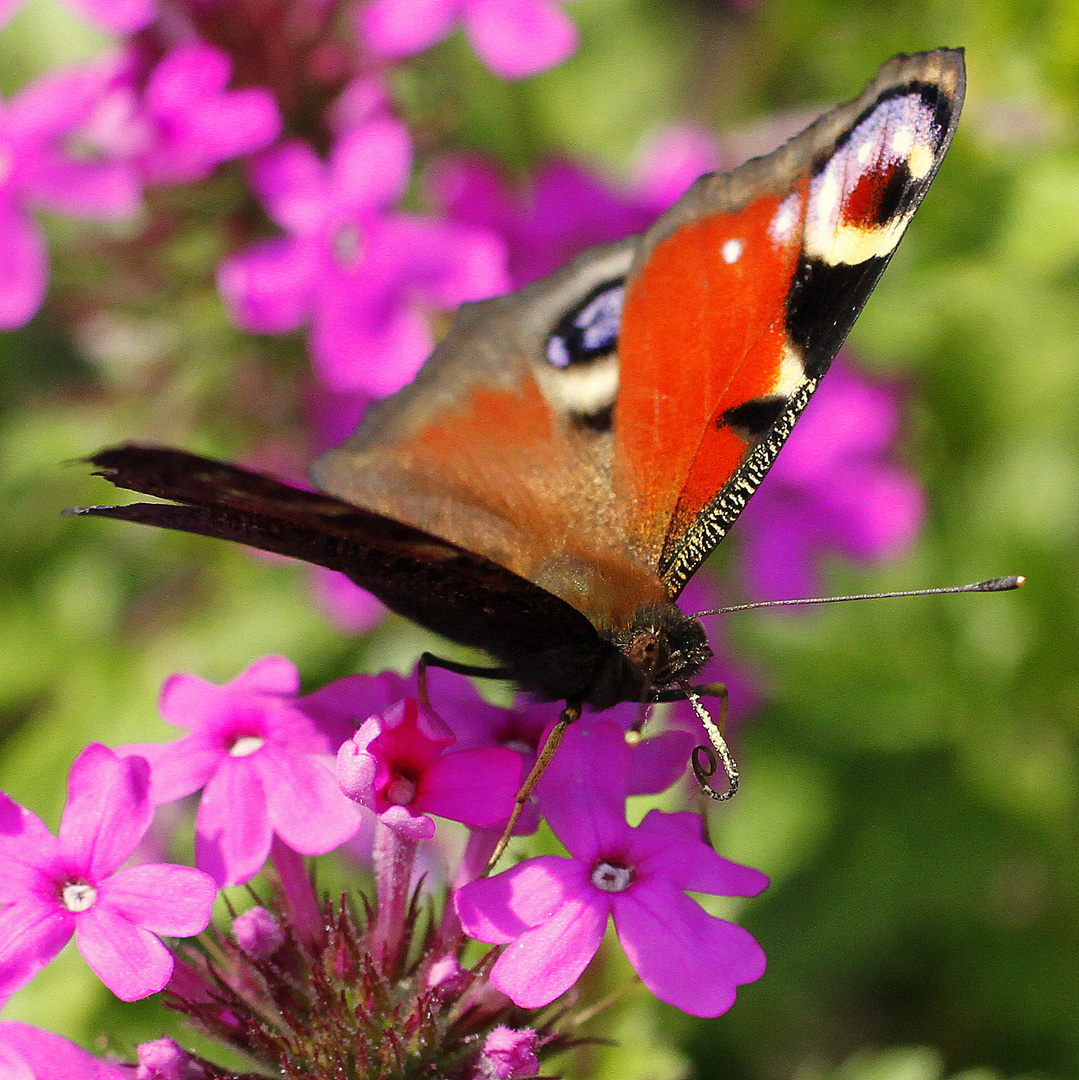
(473, 671)
(570, 713)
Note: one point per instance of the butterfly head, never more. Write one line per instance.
(663, 647)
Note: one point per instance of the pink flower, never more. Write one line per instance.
(40, 167)
(29, 1053)
(178, 121)
(362, 276)
(551, 912)
(120, 16)
(508, 1054)
(54, 887)
(567, 208)
(397, 765)
(265, 764)
(835, 488)
(514, 38)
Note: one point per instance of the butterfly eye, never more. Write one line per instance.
(590, 329)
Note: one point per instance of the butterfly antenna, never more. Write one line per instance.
(1000, 584)
(706, 759)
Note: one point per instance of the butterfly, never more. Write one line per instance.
(570, 453)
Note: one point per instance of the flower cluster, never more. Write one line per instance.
(282, 775)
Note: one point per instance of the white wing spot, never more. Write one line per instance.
(732, 250)
(783, 224)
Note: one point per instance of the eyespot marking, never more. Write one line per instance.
(589, 330)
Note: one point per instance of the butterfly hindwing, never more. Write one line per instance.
(454, 592)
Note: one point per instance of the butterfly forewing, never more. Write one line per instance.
(743, 293)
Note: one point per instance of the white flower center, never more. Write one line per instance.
(611, 878)
(400, 791)
(347, 244)
(246, 745)
(78, 896)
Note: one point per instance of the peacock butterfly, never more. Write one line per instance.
(571, 453)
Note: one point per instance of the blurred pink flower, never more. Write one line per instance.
(514, 38)
(565, 208)
(364, 277)
(41, 166)
(835, 488)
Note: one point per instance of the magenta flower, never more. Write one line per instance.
(567, 208)
(365, 278)
(29, 1053)
(514, 38)
(179, 121)
(120, 16)
(41, 167)
(397, 765)
(835, 488)
(507, 1055)
(54, 887)
(550, 913)
(265, 765)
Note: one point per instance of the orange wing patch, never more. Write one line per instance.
(702, 335)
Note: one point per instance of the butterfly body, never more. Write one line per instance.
(571, 453)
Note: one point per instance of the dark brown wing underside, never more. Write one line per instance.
(453, 592)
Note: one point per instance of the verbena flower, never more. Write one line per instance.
(28, 1053)
(836, 488)
(41, 167)
(190, 121)
(120, 16)
(397, 765)
(514, 38)
(565, 207)
(550, 913)
(363, 276)
(264, 764)
(74, 883)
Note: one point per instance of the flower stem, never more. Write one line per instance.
(394, 858)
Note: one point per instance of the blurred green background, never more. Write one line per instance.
(910, 783)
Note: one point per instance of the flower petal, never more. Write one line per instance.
(306, 805)
(232, 827)
(402, 27)
(686, 957)
(46, 1056)
(500, 908)
(24, 266)
(108, 810)
(369, 167)
(546, 961)
(517, 38)
(475, 787)
(28, 851)
(32, 932)
(162, 898)
(676, 852)
(177, 768)
(128, 959)
(267, 288)
(291, 181)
